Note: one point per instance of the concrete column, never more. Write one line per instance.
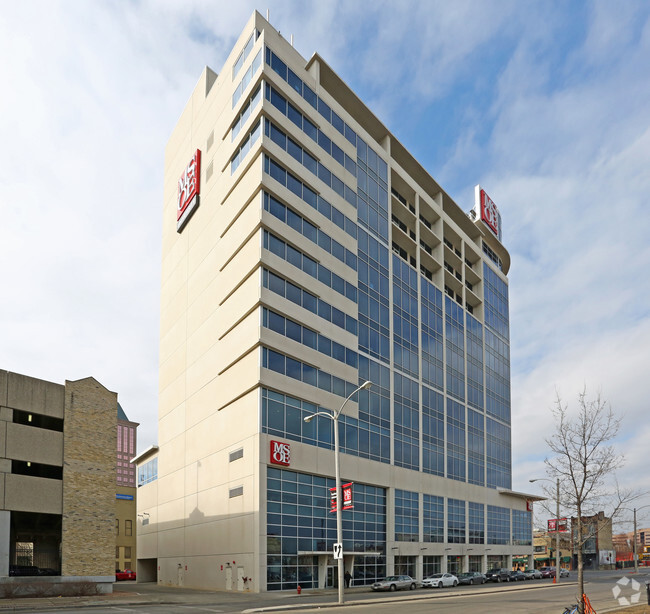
(322, 570)
(5, 530)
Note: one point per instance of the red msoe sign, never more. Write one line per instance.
(280, 453)
(347, 497)
(488, 211)
(189, 187)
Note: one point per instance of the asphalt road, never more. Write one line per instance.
(531, 597)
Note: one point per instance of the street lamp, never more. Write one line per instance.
(557, 526)
(334, 417)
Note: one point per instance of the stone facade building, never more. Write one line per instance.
(57, 478)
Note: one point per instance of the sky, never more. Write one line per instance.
(545, 104)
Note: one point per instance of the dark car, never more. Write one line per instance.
(517, 576)
(499, 574)
(23, 570)
(547, 572)
(471, 577)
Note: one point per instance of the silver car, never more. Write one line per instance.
(394, 583)
(438, 580)
(533, 574)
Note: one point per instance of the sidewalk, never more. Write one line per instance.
(132, 593)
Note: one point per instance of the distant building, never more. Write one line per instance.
(544, 548)
(57, 478)
(597, 544)
(624, 547)
(625, 540)
(125, 497)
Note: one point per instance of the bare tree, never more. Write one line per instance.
(585, 461)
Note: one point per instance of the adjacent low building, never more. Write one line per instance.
(596, 542)
(57, 479)
(545, 545)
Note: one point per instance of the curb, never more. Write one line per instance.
(16, 605)
(409, 597)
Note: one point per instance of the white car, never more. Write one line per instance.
(438, 580)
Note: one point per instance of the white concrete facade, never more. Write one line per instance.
(206, 514)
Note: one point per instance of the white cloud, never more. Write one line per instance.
(552, 117)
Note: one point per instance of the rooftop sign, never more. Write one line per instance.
(487, 211)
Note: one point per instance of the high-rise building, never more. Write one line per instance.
(306, 251)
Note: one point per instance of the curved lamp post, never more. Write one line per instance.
(557, 526)
(334, 417)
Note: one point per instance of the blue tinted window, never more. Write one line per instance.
(277, 100)
(294, 150)
(309, 95)
(295, 116)
(310, 129)
(324, 141)
(324, 110)
(294, 81)
(338, 123)
(324, 174)
(278, 66)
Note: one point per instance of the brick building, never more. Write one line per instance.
(57, 478)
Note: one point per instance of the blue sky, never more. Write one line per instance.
(545, 104)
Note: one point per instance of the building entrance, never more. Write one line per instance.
(332, 576)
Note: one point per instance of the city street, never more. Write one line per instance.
(531, 597)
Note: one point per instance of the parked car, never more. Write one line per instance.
(127, 574)
(547, 572)
(533, 574)
(23, 570)
(499, 574)
(564, 573)
(394, 583)
(471, 577)
(517, 576)
(438, 580)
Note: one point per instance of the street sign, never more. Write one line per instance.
(338, 551)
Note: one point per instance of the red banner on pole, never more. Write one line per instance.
(557, 525)
(347, 497)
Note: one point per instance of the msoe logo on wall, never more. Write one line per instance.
(189, 186)
(487, 210)
(280, 453)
